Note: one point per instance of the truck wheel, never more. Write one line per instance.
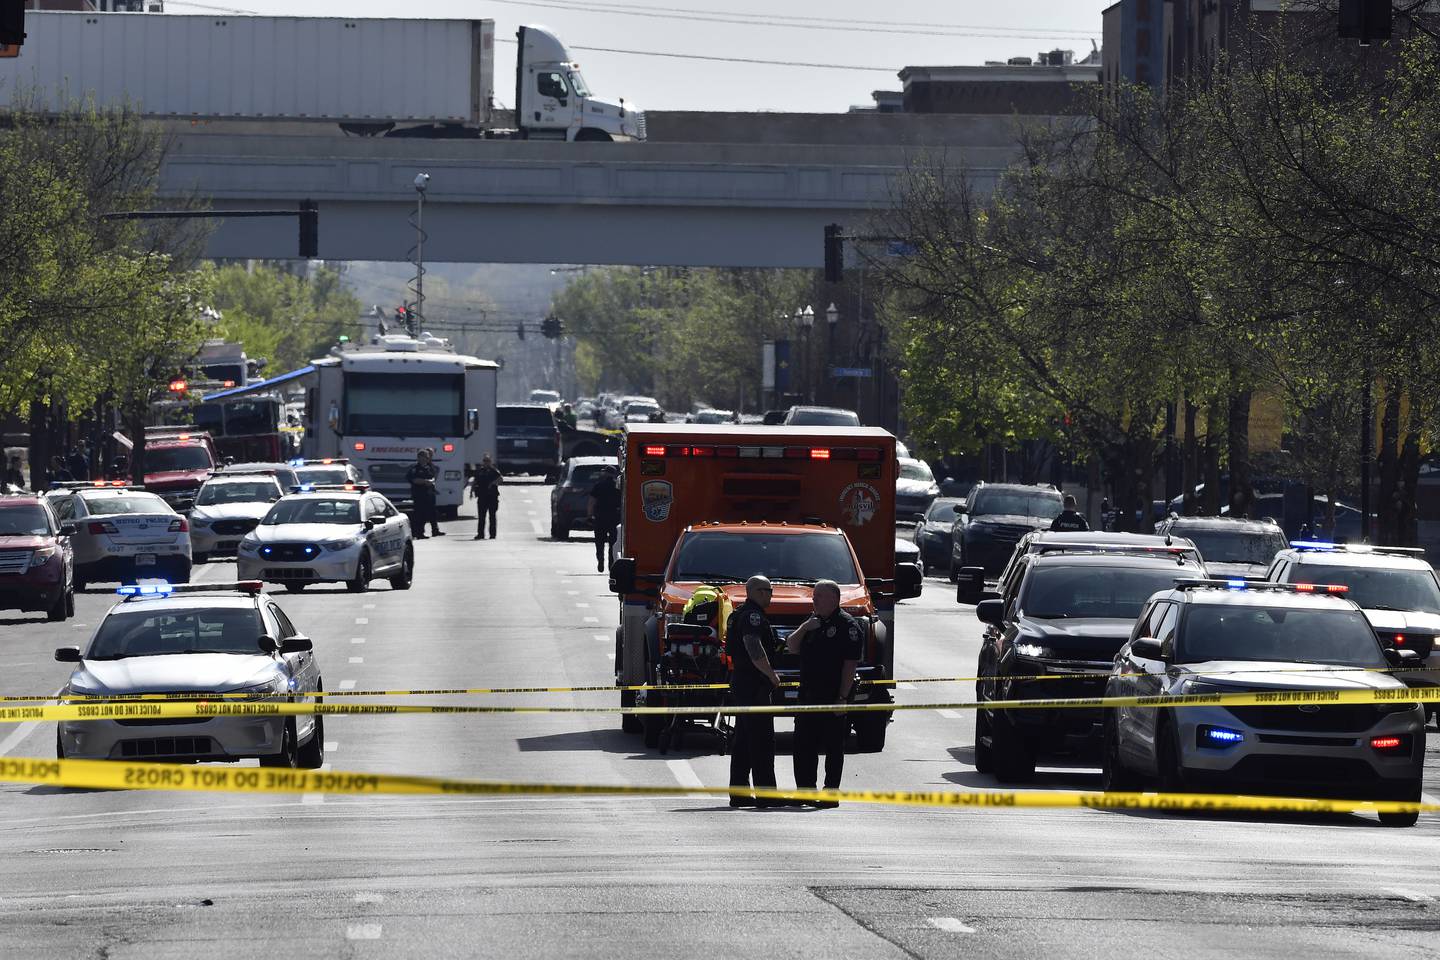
(654, 723)
(201, 558)
(591, 135)
(182, 572)
(870, 728)
(287, 757)
(449, 513)
(629, 723)
(1171, 768)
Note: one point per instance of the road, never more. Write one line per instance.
(157, 874)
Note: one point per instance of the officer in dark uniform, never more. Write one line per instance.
(1070, 520)
(421, 477)
(748, 635)
(829, 645)
(485, 488)
(604, 511)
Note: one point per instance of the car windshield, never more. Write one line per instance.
(1044, 504)
(170, 459)
(1234, 546)
(823, 418)
(942, 511)
(1377, 588)
(1285, 635)
(127, 503)
(585, 475)
(916, 470)
(1099, 592)
(736, 557)
(26, 521)
(313, 510)
(139, 633)
(524, 417)
(322, 474)
(237, 491)
(714, 416)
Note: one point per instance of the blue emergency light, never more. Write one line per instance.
(297, 462)
(303, 488)
(1220, 736)
(1236, 584)
(1318, 545)
(161, 589)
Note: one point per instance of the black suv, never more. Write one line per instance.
(1059, 612)
(994, 518)
(1231, 548)
(527, 440)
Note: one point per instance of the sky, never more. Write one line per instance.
(823, 34)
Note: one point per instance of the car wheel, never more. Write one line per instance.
(312, 754)
(1168, 763)
(59, 746)
(984, 756)
(182, 572)
(201, 558)
(70, 602)
(1014, 760)
(287, 755)
(954, 572)
(403, 579)
(294, 587)
(361, 583)
(78, 585)
(57, 611)
(562, 533)
(1115, 777)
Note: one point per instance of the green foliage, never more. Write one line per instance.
(286, 319)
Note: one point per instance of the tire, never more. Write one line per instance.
(1115, 777)
(57, 612)
(449, 513)
(287, 757)
(1014, 760)
(870, 729)
(59, 745)
(562, 533)
(200, 558)
(652, 725)
(406, 576)
(182, 573)
(953, 573)
(312, 754)
(294, 586)
(984, 756)
(70, 602)
(591, 135)
(629, 723)
(1171, 777)
(78, 585)
(361, 583)
(1410, 794)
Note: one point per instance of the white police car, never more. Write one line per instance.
(329, 471)
(122, 533)
(329, 535)
(228, 507)
(192, 643)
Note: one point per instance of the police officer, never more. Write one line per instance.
(829, 645)
(748, 635)
(1070, 519)
(421, 477)
(485, 488)
(604, 512)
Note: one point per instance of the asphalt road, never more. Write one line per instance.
(156, 874)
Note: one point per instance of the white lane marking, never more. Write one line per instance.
(331, 746)
(1429, 798)
(572, 593)
(949, 925)
(362, 931)
(582, 606)
(610, 655)
(950, 714)
(369, 606)
(531, 512)
(902, 685)
(562, 571)
(602, 638)
(684, 773)
(1412, 895)
(312, 798)
(592, 619)
(369, 898)
(21, 732)
(347, 684)
(357, 639)
(535, 526)
(566, 583)
(362, 621)
(357, 659)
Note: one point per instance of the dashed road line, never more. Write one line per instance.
(684, 774)
(347, 684)
(368, 606)
(583, 606)
(357, 659)
(357, 639)
(949, 925)
(332, 745)
(362, 621)
(367, 897)
(603, 638)
(362, 931)
(949, 714)
(592, 619)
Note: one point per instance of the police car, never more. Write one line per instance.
(328, 471)
(329, 535)
(192, 643)
(228, 507)
(122, 533)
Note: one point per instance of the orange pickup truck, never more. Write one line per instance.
(714, 505)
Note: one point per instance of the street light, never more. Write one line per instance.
(805, 320)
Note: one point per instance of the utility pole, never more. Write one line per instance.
(416, 313)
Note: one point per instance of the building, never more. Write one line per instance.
(1045, 86)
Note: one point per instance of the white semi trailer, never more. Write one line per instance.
(369, 76)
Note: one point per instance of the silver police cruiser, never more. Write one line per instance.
(191, 643)
(328, 471)
(329, 535)
(228, 507)
(1238, 636)
(122, 533)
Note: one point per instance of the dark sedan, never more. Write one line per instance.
(932, 534)
(570, 498)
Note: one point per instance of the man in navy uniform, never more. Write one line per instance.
(748, 635)
(829, 645)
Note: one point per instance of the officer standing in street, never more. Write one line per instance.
(421, 477)
(829, 646)
(485, 488)
(748, 635)
(604, 513)
(1070, 519)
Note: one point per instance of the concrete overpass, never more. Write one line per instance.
(668, 202)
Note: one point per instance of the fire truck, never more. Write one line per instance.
(710, 506)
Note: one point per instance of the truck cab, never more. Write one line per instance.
(553, 101)
(177, 463)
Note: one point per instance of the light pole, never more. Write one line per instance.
(832, 320)
(805, 320)
(417, 313)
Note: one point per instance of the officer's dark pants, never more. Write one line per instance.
(485, 509)
(424, 506)
(752, 751)
(817, 733)
(604, 540)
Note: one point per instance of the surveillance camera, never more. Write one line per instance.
(421, 180)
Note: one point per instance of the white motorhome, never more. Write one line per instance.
(379, 403)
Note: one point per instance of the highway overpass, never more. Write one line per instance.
(762, 202)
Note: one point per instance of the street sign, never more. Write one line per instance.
(857, 372)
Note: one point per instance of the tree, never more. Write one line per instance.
(287, 319)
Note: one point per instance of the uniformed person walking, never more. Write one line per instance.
(748, 635)
(604, 511)
(829, 646)
(1070, 519)
(485, 488)
(421, 476)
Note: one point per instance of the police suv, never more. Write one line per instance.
(122, 533)
(329, 535)
(228, 507)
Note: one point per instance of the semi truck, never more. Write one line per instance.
(426, 78)
(714, 505)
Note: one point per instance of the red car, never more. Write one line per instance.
(36, 563)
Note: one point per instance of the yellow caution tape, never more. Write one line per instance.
(121, 710)
(664, 688)
(121, 775)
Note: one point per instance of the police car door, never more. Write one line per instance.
(1150, 675)
(69, 509)
(383, 535)
(304, 674)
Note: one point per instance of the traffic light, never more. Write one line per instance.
(178, 386)
(834, 254)
(520, 330)
(12, 24)
(552, 327)
(309, 230)
(1366, 20)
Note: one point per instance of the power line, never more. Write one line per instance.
(748, 60)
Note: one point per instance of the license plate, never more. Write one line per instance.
(522, 443)
(144, 559)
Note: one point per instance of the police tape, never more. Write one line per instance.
(206, 709)
(122, 775)
(677, 687)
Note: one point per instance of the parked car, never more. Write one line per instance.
(915, 489)
(570, 499)
(995, 517)
(932, 534)
(549, 397)
(1231, 548)
(713, 415)
(527, 440)
(821, 417)
(37, 565)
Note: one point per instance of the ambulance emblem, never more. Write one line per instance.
(656, 497)
(858, 501)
